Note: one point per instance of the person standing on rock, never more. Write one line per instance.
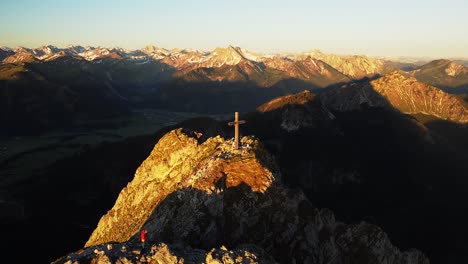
(143, 238)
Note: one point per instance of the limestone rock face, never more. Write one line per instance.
(355, 66)
(126, 253)
(179, 161)
(410, 96)
(401, 92)
(307, 69)
(20, 58)
(454, 69)
(444, 74)
(197, 196)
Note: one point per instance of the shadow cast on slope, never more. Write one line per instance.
(217, 97)
(309, 160)
(280, 221)
(66, 92)
(233, 217)
(378, 164)
(63, 203)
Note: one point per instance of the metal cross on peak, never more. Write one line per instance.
(236, 124)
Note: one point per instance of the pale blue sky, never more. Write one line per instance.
(377, 28)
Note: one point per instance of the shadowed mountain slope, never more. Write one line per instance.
(198, 192)
(365, 159)
(49, 87)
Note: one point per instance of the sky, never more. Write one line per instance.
(429, 28)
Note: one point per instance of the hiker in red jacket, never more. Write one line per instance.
(143, 237)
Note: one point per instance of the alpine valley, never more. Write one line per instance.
(342, 158)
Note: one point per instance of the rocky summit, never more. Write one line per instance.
(202, 201)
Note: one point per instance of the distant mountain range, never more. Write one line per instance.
(54, 87)
(232, 64)
(354, 66)
(445, 74)
(187, 60)
(370, 138)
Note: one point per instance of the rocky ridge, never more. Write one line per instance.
(296, 111)
(199, 193)
(411, 96)
(96, 82)
(354, 67)
(127, 253)
(444, 74)
(333, 68)
(177, 162)
(402, 92)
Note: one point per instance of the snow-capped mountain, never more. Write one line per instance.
(352, 66)
(155, 52)
(21, 55)
(75, 50)
(144, 67)
(5, 52)
(45, 52)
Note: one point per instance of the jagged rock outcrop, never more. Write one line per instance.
(179, 161)
(162, 253)
(200, 193)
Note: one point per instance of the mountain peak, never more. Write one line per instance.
(396, 75)
(401, 91)
(225, 56)
(183, 159)
(232, 47)
(454, 69)
(300, 98)
(411, 96)
(445, 74)
(440, 63)
(77, 49)
(20, 56)
(228, 49)
(151, 48)
(198, 192)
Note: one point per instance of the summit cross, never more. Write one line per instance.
(236, 124)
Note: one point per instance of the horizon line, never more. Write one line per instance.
(424, 57)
